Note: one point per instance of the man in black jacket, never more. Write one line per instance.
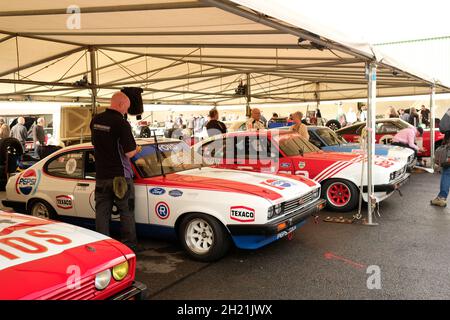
(214, 126)
(114, 145)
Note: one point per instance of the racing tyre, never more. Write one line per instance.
(333, 125)
(204, 237)
(12, 149)
(341, 195)
(41, 209)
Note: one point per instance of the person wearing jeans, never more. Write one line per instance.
(441, 199)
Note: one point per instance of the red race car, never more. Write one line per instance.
(48, 260)
(284, 152)
(386, 129)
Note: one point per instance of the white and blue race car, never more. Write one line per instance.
(206, 208)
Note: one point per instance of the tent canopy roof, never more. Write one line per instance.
(185, 51)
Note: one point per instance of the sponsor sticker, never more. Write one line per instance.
(279, 184)
(71, 166)
(175, 193)
(162, 210)
(301, 165)
(28, 182)
(157, 191)
(64, 202)
(242, 214)
(285, 165)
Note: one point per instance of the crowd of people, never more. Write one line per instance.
(412, 116)
(20, 132)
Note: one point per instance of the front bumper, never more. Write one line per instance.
(278, 225)
(137, 291)
(391, 187)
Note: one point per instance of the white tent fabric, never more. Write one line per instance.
(184, 51)
(291, 12)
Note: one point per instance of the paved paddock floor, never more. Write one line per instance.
(410, 246)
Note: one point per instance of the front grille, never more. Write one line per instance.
(86, 291)
(292, 205)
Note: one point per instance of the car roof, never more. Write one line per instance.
(139, 142)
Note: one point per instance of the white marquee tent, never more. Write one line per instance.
(185, 51)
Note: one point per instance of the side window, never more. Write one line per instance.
(386, 128)
(258, 148)
(214, 149)
(89, 165)
(67, 165)
(315, 141)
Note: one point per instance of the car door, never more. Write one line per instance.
(63, 173)
(85, 194)
(84, 191)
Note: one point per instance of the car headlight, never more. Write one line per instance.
(120, 271)
(278, 209)
(316, 193)
(270, 212)
(102, 279)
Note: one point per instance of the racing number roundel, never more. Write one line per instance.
(162, 210)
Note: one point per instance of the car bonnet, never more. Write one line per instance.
(39, 256)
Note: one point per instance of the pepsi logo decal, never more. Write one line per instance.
(28, 182)
(242, 214)
(157, 191)
(162, 210)
(64, 202)
(279, 184)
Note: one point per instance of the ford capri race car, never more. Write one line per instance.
(48, 260)
(206, 208)
(340, 174)
(386, 129)
(327, 140)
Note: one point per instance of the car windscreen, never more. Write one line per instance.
(330, 137)
(294, 145)
(174, 156)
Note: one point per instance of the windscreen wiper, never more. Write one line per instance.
(158, 153)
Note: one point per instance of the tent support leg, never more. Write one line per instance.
(93, 61)
(432, 124)
(249, 97)
(371, 112)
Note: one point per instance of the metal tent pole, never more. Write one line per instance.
(93, 79)
(432, 123)
(371, 112)
(249, 97)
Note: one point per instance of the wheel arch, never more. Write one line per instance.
(185, 214)
(32, 200)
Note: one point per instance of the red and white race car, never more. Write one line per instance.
(48, 260)
(205, 208)
(284, 152)
(386, 129)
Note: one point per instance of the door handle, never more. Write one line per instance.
(80, 184)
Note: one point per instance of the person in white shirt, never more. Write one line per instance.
(255, 123)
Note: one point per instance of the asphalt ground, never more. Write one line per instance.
(410, 248)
